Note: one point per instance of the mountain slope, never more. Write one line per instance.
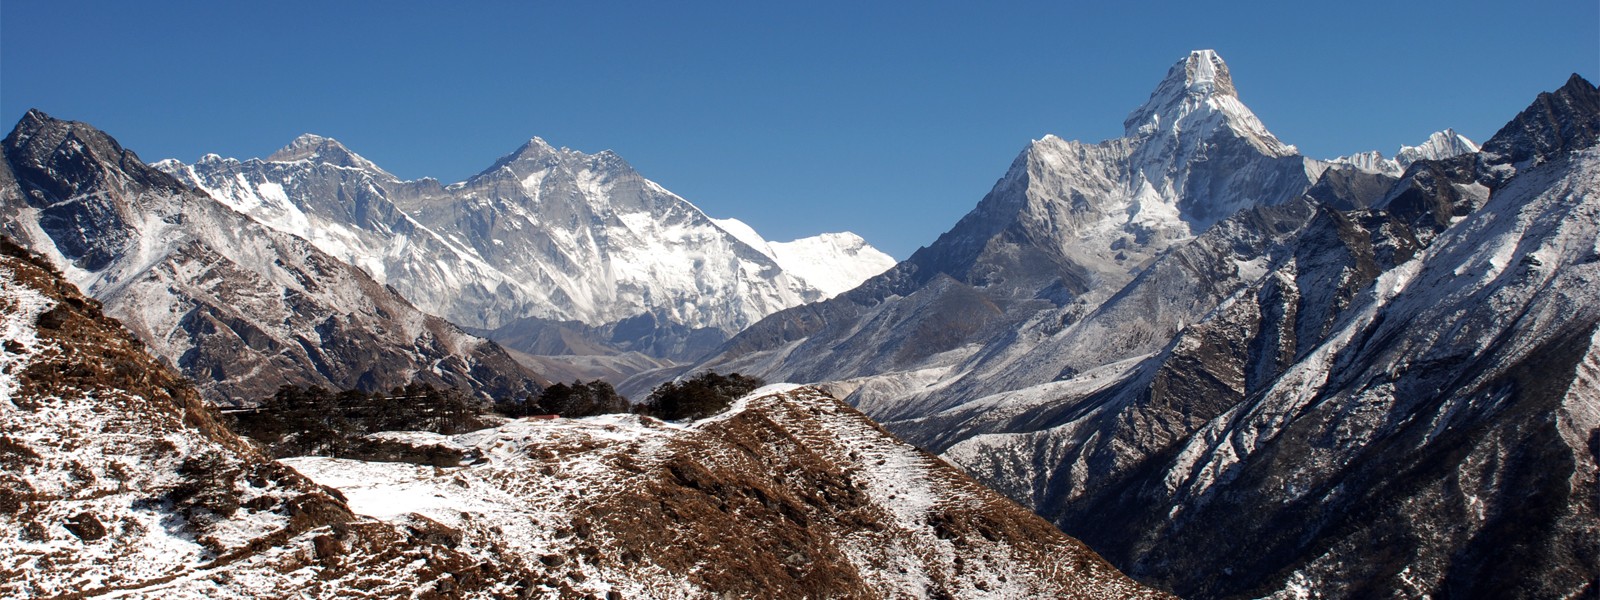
(1477, 428)
(1413, 408)
(117, 480)
(1068, 226)
(1202, 396)
(237, 306)
(545, 236)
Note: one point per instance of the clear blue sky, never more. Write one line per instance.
(889, 119)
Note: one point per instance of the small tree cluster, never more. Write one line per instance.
(698, 397)
(577, 399)
(300, 421)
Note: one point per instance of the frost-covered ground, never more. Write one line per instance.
(107, 478)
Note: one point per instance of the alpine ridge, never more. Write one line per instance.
(1439, 146)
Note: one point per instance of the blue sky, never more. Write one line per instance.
(888, 119)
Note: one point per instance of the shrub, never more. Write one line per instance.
(582, 399)
(698, 397)
(577, 399)
(300, 421)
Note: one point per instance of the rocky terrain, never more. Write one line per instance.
(789, 494)
(237, 306)
(117, 480)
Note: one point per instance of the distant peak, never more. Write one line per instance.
(1439, 146)
(318, 149)
(537, 155)
(307, 144)
(535, 145)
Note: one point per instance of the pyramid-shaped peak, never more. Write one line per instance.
(305, 144)
(1204, 72)
(535, 146)
(1197, 78)
(1440, 145)
(319, 149)
(538, 155)
(1197, 96)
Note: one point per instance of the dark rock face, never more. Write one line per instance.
(1349, 188)
(1557, 123)
(239, 308)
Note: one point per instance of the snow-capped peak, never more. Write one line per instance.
(538, 156)
(1197, 77)
(1198, 95)
(1205, 73)
(318, 149)
(832, 262)
(536, 146)
(1440, 145)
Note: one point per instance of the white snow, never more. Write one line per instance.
(832, 262)
(21, 306)
(1439, 145)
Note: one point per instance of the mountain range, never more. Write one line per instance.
(1194, 334)
(550, 251)
(237, 306)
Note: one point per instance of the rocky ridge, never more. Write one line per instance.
(789, 494)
